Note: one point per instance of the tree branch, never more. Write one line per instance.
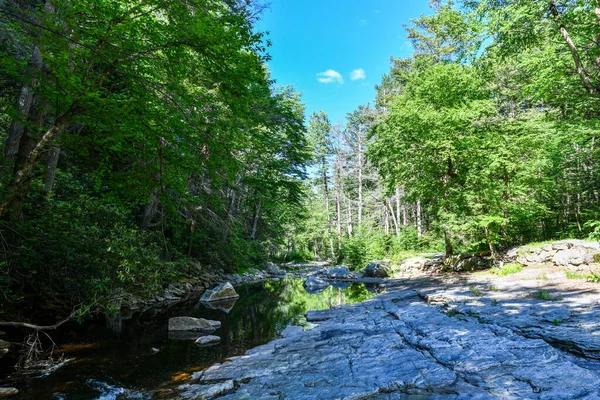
(587, 83)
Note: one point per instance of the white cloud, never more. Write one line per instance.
(330, 76)
(358, 74)
(363, 22)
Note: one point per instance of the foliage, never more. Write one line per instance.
(171, 142)
(507, 269)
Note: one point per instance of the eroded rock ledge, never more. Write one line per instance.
(396, 346)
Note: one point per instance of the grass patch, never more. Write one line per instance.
(543, 294)
(507, 269)
(476, 292)
(593, 277)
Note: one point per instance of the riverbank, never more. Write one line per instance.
(530, 334)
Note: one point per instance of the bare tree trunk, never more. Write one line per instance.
(386, 217)
(150, 210)
(338, 208)
(255, 219)
(51, 165)
(360, 183)
(25, 101)
(419, 219)
(348, 215)
(394, 216)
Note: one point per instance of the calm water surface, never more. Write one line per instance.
(135, 357)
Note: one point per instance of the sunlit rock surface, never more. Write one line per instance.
(396, 346)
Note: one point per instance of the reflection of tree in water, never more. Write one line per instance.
(265, 309)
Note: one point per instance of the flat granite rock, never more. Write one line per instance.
(396, 346)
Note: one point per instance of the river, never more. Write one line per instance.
(134, 358)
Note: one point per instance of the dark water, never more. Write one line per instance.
(141, 359)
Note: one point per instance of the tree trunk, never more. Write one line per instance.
(360, 183)
(419, 219)
(394, 216)
(150, 210)
(25, 101)
(255, 219)
(51, 165)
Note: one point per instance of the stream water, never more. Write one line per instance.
(135, 358)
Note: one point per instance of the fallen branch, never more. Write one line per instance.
(38, 327)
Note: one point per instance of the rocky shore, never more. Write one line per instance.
(533, 334)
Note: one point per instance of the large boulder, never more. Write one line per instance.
(315, 285)
(193, 324)
(273, 269)
(574, 258)
(341, 272)
(375, 269)
(221, 292)
(474, 263)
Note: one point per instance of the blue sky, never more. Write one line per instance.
(333, 38)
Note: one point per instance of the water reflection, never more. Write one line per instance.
(144, 357)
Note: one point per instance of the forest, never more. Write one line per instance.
(142, 137)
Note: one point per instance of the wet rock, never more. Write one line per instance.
(208, 340)
(375, 269)
(193, 324)
(221, 292)
(314, 284)
(8, 391)
(203, 392)
(341, 272)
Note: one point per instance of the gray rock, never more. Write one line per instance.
(320, 315)
(314, 284)
(574, 256)
(395, 346)
(208, 340)
(375, 269)
(221, 292)
(340, 272)
(274, 269)
(8, 391)
(203, 392)
(473, 263)
(193, 324)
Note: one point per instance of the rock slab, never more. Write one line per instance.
(395, 346)
(193, 324)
